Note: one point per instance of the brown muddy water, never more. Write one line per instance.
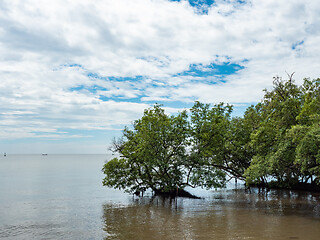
(61, 197)
(225, 214)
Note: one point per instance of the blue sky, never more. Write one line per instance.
(74, 73)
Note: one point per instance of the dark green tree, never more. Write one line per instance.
(151, 154)
(155, 154)
(276, 143)
(217, 140)
(286, 143)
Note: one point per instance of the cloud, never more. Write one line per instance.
(81, 65)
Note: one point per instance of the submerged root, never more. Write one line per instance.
(176, 193)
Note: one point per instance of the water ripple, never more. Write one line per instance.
(31, 231)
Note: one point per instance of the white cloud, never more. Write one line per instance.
(39, 40)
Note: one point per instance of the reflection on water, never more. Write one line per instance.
(228, 214)
(62, 197)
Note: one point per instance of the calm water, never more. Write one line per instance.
(61, 197)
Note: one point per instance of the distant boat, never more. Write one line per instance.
(44, 154)
(4, 154)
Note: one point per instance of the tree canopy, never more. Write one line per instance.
(167, 153)
(275, 143)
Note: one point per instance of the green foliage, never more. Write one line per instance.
(151, 154)
(219, 141)
(208, 130)
(308, 151)
(286, 142)
(277, 142)
(258, 170)
(155, 154)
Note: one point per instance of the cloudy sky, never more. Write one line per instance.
(74, 73)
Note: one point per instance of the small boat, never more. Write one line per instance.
(5, 154)
(44, 154)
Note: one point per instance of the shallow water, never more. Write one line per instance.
(61, 197)
(225, 215)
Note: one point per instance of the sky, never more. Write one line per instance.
(74, 73)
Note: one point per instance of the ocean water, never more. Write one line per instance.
(54, 196)
(62, 197)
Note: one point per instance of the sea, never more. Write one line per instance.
(62, 197)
